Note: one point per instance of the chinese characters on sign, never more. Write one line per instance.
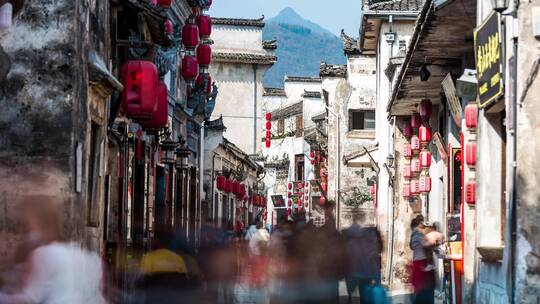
(487, 46)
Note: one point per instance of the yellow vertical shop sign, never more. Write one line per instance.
(488, 53)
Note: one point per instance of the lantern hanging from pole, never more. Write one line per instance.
(424, 133)
(268, 125)
(204, 23)
(407, 151)
(470, 154)
(425, 109)
(406, 190)
(470, 192)
(220, 182)
(140, 80)
(268, 116)
(415, 166)
(289, 194)
(322, 200)
(415, 187)
(407, 173)
(324, 187)
(268, 143)
(205, 77)
(415, 144)
(196, 11)
(425, 184)
(289, 186)
(190, 68)
(289, 203)
(190, 36)
(471, 115)
(204, 55)
(416, 121)
(425, 159)
(165, 3)
(407, 130)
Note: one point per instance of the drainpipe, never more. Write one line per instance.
(213, 178)
(390, 218)
(255, 109)
(511, 221)
(201, 184)
(338, 179)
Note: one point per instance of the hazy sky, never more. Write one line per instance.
(332, 15)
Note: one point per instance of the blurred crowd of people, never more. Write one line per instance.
(297, 262)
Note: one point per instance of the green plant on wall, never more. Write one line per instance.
(358, 198)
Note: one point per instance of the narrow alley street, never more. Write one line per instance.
(272, 152)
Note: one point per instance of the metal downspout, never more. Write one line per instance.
(255, 109)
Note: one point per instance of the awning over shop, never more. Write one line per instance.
(442, 42)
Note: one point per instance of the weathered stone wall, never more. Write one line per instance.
(527, 258)
(44, 110)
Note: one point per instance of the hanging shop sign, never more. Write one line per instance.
(437, 139)
(453, 100)
(488, 53)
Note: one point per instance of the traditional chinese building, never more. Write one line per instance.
(240, 59)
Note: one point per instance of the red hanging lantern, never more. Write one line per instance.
(312, 154)
(425, 109)
(471, 116)
(306, 185)
(268, 143)
(268, 116)
(140, 80)
(406, 190)
(220, 182)
(425, 159)
(204, 55)
(166, 3)
(312, 161)
(289, 211)
(268, 134)
(415, 187)
(268, 125)
(322, 200)
(228, 186)
(169, 27)
(190, 68)
(407, 173)
(415, 144)
(415, 166)
(205, 26)
(289, 203)
(289, 194)
(407, 130)
(324, 187)
(306, 205)
(289, 186)
(425, 184)
(470, 154)
(424, 133)
(470, 192)
(190, 36)
(416, 121)
(300, 185)
(407, 151)
(160, 118)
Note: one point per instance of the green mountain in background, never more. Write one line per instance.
(302, 45)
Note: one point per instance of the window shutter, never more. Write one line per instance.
(299, 125)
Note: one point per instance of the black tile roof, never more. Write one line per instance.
(332, 70)
(244, 58)
(239, 22)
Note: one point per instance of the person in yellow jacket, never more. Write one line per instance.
(168, 276)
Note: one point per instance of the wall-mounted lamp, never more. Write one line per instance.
(467, 85)
(424, 73)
